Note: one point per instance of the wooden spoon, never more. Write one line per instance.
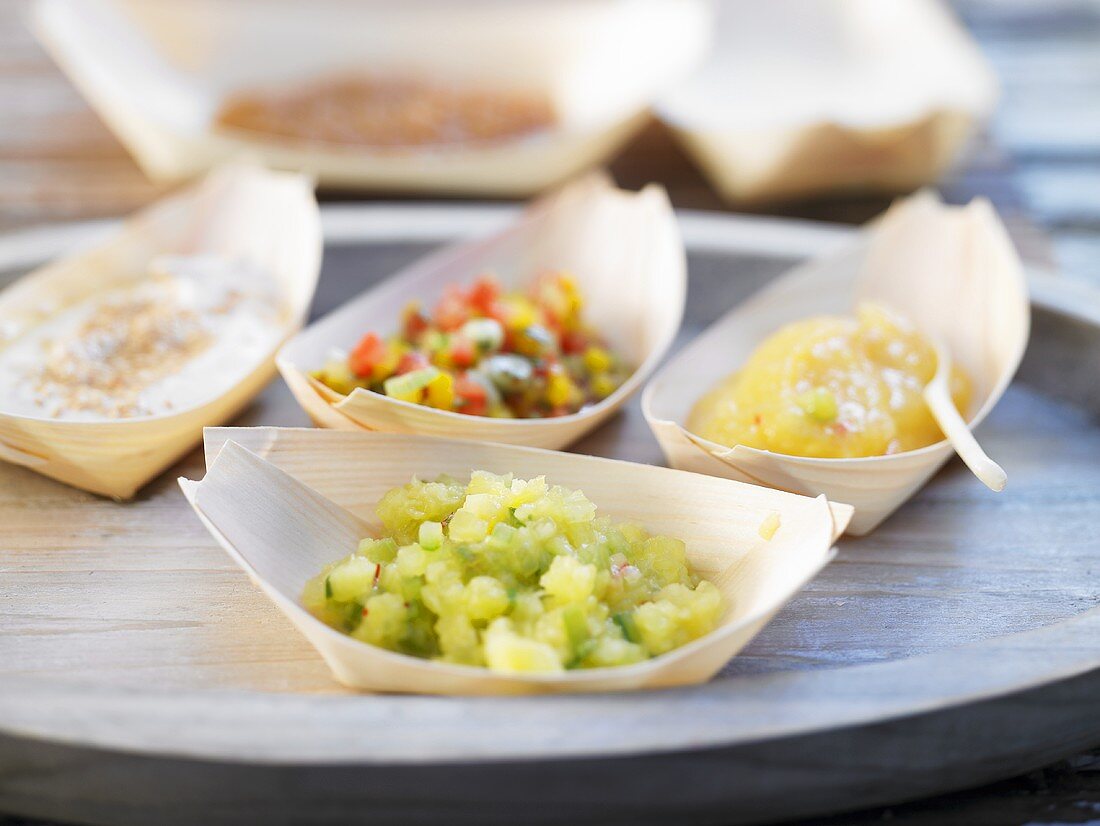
(937, 395)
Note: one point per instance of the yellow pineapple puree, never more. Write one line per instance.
(831, 387)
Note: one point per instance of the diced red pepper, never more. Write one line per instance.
(483, 294)
(411, 361)
(574, 343)
(414, 323)
(499, 311)
(452, 311)
(367, 354)
(462, 351)
(470, 396)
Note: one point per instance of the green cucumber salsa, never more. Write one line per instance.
(515, 576)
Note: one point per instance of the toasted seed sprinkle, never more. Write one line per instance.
(113, 359)
(127, 343)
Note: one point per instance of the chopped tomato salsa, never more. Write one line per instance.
(484, 351)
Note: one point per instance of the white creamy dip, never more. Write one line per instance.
(176, 339)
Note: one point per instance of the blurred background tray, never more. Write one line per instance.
(143, 679)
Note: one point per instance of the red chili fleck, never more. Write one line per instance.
(377, 573)
(758, 420)
(365, 611)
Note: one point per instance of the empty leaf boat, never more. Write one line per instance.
(809, 96)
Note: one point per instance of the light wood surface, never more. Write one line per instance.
(960, 597)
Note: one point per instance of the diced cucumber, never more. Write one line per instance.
(625, 621)
(378, 550)
(431, 535)
(576, 625)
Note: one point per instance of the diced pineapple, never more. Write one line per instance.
(467, 527)
(509, 653)
(609, 651)
(485, 598)
(568, 580)
(458, 639)
(484, 482)
(384, 621)
(351, 578)
(769, 526)
(412, 561)
(658, 625)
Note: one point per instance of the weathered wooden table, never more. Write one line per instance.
(1040, 164)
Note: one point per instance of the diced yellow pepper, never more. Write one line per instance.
(603, 385)
(520, 312)
(441, 392)
(559, 389)
(572, 295)
(597, 359)
(337, 376)
(386, 367)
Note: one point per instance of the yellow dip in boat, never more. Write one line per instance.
(831, 387)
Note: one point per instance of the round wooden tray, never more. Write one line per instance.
(143, 679)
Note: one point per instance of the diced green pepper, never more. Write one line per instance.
(408, 387)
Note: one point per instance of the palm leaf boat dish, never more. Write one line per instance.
(162, 74)
(625, 251)
(952, 271)
(65, 408)
(804, 96)
(284, 502)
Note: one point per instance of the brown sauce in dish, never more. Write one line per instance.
(385, 112)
